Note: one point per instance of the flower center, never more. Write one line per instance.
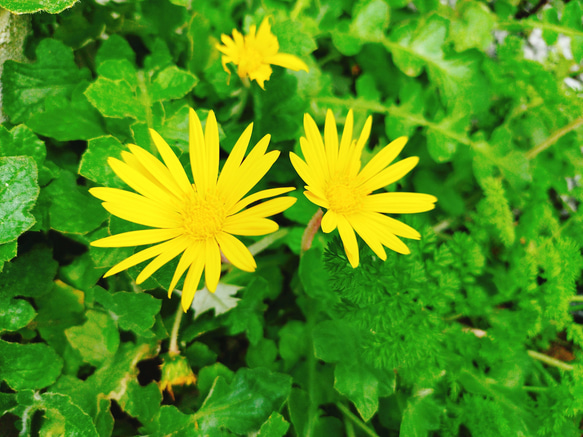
(203, 216)
(250, 60)
(343, 196)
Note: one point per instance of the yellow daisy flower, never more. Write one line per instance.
(336, 182)
(253, 53)
(197, 220)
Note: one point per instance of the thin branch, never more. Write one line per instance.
(348, 414)
(553, 138)
(550, 360)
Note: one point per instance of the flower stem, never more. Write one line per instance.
(264, 243)
(349, 415)
(550, 360)
(553, 138)
(173, 350)
(311, 229)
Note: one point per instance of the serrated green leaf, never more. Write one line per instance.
(171, 421)
(27, 87)
(97, 339)
(474, 27)
(208, 375)
(133, 312)
(359, 385)
(370, 19)
(115, 47)
(275, 426)
(115, 98)
(243, 405)
(172, 83)
(18, 193)
(73, 210)
(32, 6)
(28, 366)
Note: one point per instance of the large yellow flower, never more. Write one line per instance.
(253, 53)
(197, 220)
(336, 182)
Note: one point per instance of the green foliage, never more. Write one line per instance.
(476, 332)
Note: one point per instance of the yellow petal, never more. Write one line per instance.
(287, 61)
(172, 162)
(316, 200)
(197, 148)
(211, 138)
(234, 160)
(236, 252)
(382, 159)
(139, 257)
(313, 147)
(331, 141)
(143, 211)
(137, 238)
(304, 171)
(260, 74)
(362, 228)
(346, 141)
(264, 194)
(399, 203)
(191, 282)
(155, 167)
(329, 222)
(177, 246)
(265, 209)
(349, 241)
(250, 226)
(356, 152)
(391, 174)
(141, 184)
(195, 250)
(212, 270)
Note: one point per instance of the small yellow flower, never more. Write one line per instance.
(197, 220)
(253, 53)
(336, 182)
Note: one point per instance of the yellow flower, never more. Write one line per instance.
(253, 53)
(196, 220)
(336, 182)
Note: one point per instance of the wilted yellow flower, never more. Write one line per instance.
(176, 371)
(197, 220)
(336, 182)
(253, 53)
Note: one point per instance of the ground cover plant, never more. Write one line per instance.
(384, 197)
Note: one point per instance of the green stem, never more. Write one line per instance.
(311, 362)
(348, 414)
(173, 350)
(530, 24)
(577, 298)
(550, 360)
(535, 389)
(267, 241)
(553, 138)
(298, 8)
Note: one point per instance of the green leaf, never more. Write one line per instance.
(73, 210)
(474, 27)
(359, 385)
(172, 83)
(132, 311)
(31, 6)
(275, 426)
(62, 416)
(14, 313)
(28, 366)
(68, 119)
(27, 87)
(29, 275)
(170, 421)
(421, 416)
(143, 403)
(20, 140)
(243, 405)
(315, 278)
(208, 375)
(370, 19)
(115, 98)
(18, 193)
(115, 47)
(94, 164)
(97, 339)
(292, 343)
(7, 252)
